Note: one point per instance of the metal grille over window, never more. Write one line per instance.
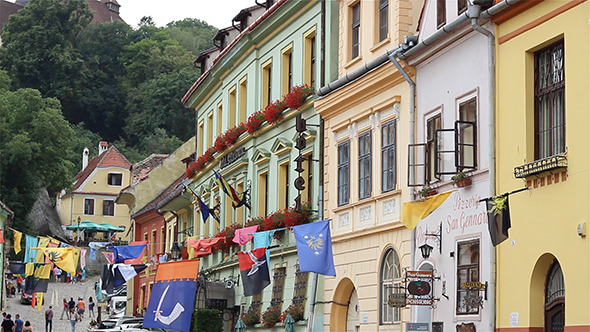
(278, 286)
(549, 102)
(555, 284)
(300, 291)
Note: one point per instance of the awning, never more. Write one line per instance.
(413, 212)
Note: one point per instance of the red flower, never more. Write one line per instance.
(254, 122)
(297, 96)
(273, 113)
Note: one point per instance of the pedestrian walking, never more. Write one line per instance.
(81, 307)
(18, 323)
(49, 319)
(28, 327)
(8, 324)
(90, 307)
(71, 304)
(73, 319)
(19, 284)
(65, 310)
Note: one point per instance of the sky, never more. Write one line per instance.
(217, 13)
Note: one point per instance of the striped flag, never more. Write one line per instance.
(237, 199)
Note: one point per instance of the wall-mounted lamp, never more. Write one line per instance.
(425, 249)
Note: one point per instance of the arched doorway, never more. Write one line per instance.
(554, 299)
(340, 305)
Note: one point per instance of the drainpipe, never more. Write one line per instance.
(474, 12)
(393, 58)
(314, 276)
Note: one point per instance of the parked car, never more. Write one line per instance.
(26, 298)
(118, 324)
(120, 291)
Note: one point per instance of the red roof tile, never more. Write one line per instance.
(110, 158)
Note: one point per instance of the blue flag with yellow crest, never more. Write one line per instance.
(314, 248)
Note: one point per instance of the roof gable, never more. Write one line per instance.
(110, 158)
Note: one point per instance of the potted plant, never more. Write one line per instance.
(427, 191)
(461, 179)
(250, 318)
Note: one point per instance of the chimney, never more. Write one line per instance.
(85, 154)
(102, 147)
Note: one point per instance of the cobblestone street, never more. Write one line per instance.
(64, 290)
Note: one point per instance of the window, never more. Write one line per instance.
(115, 179)
(153, 243)
(432, 125)
(467, 270)
(266, 83)
(219, 118)
(365, 169)
(283, 199)
(243, 96)
(278, 285)
(343, 173)
(232, 108)
(549, 102)
(262, 194)
(200, 139)
(210, 129)
(162, 239)
(287, 70)
(390, 284)
(441, 13)
(240, 210)
(461, 6)
(388, 171)
(466, 129)
(383, 19)
(108, 207)
(89, 206)
(300, 291)
(356, 29)
(309, 60)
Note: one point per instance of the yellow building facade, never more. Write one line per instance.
(542, 143)
(365, 167)
(95, 189)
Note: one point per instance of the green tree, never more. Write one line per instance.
(38, 47)
(152, 56)
(100, 94)
(35, 136)
(192, 34)
(156, 104)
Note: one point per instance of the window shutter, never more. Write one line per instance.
(445, 152)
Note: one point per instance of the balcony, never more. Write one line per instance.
(540, 166)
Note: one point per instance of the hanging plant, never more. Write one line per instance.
(250, 318)
(295, 310)
(498, 204)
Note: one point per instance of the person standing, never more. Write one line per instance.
(49, 319)
(73, 319)
(81, 307)
(18, 323)
(65, 310)
(7, 324)
(19, 284)
(90, 307)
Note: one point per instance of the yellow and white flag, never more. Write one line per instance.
(65, 258)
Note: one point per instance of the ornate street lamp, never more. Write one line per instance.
(175, 251)
(425, 249)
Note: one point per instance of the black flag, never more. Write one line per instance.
(498, 221)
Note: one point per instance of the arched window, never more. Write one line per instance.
(390, 283)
